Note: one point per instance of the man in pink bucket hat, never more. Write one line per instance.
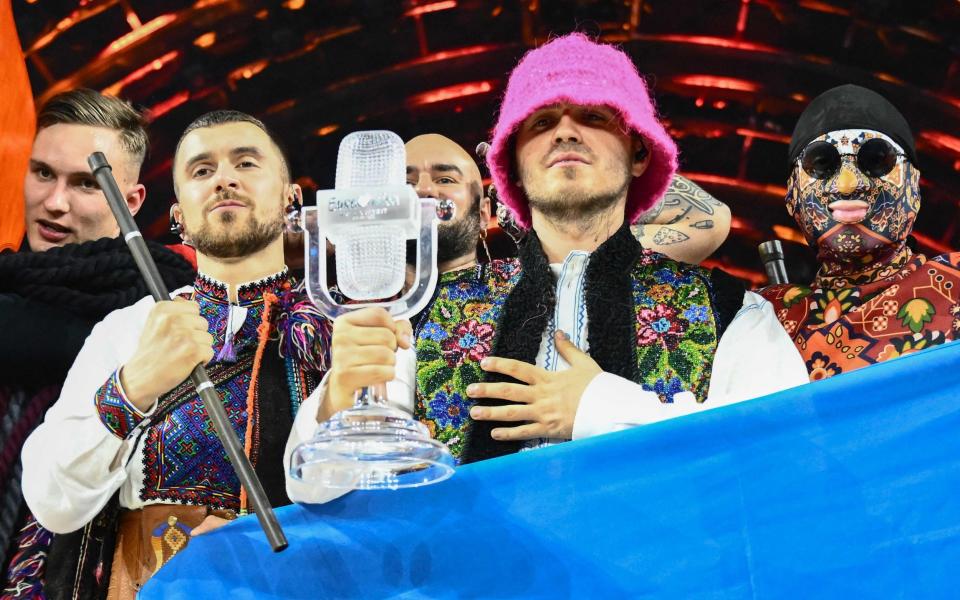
(577, 72)
(586, 332)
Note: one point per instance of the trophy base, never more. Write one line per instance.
(371, 448)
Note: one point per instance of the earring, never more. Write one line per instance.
(483, 240)
(176, 228)
(509, 225)
(482, 149)
(291, 219)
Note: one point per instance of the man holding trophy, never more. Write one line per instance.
(587, 332)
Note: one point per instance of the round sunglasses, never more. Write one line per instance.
(875, 158)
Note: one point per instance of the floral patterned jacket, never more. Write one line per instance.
(852, 326)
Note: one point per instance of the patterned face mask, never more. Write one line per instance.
(855, 220)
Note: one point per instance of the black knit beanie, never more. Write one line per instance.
(851, 107)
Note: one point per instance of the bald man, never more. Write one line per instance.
(437, 167)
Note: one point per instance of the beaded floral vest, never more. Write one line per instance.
(848, 326)
(651, 320)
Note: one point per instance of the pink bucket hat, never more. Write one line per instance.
(574, 69)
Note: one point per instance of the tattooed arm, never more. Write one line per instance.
(687, 224)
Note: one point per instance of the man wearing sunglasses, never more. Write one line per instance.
(854, 191)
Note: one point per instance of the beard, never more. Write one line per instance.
(458, 238)
(574, 204)
(231, 242)
(455, 239)
(577, 206)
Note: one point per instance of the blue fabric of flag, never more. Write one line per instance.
(847, 487)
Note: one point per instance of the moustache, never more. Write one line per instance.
(562, 147)
(227, 194)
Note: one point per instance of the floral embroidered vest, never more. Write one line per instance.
(453, 334)
(844, 329)
(675, 333)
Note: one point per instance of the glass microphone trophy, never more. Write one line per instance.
(368, 217)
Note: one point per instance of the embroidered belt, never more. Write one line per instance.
(149, 537)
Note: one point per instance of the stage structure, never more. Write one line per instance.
(730, 78)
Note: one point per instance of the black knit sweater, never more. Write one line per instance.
(49, 302)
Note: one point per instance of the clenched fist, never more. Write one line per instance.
(173, 342)
(363, 353)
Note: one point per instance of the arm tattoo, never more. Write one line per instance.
(684, 191)
(653, 212)
(680, 216)
(705, 224)
(666, 236)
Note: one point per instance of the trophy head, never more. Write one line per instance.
(368, 217)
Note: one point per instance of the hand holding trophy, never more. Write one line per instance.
(368, 217)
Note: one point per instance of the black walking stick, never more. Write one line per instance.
(211, 400)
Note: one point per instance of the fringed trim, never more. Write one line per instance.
(263, 335)
(228, 352)
(304, 335)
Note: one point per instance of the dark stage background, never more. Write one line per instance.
(730, 77)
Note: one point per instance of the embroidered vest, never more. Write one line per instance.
(453, 334)
(671, 335)
(183, 460)
(841, 330)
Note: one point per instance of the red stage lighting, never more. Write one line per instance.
(327, 129)
(763, 135)
(733, 182)
(430, 7)
(138, 34)
(154, 65)
(722, 83)
(941, 140)
(162, 108)
(450, 92)
(706, 40)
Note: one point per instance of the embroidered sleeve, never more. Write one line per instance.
(116, 412)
